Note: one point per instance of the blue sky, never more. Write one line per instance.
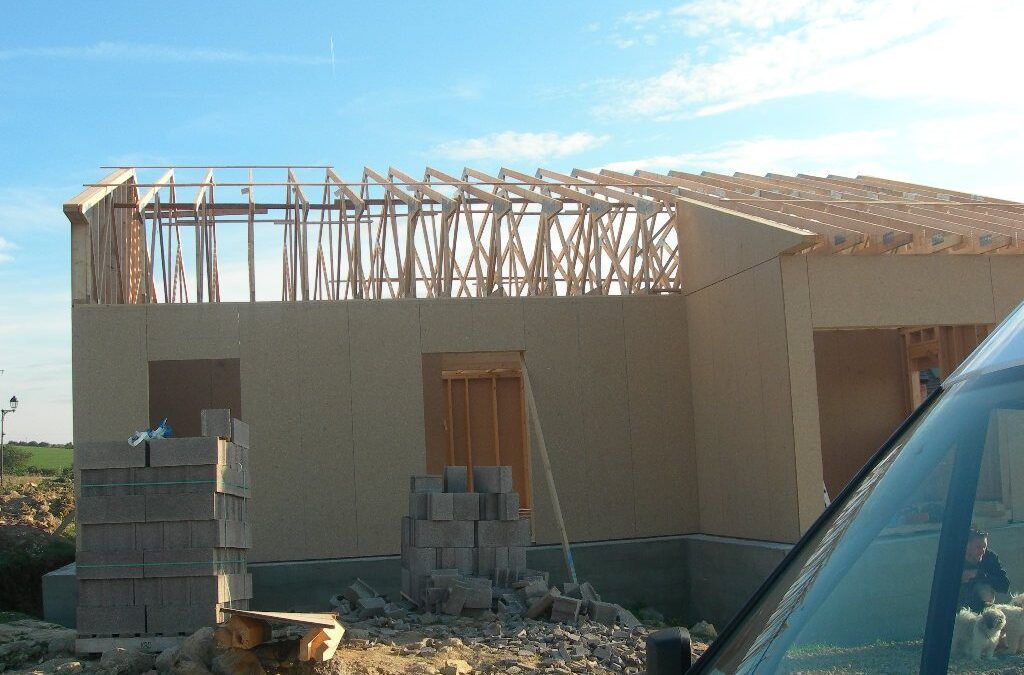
(922, 91)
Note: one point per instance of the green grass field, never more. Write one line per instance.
(48, 458)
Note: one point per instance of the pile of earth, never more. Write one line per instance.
(43, 505)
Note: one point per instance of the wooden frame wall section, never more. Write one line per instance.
(391, 235)
(474, 406)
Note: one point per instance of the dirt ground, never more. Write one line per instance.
(35, 501)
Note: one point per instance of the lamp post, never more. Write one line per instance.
(3, 417)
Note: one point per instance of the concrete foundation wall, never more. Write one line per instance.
(333, 393)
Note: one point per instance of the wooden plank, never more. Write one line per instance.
(325, 619)
(534, 415)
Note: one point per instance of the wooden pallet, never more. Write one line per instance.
(145, 643)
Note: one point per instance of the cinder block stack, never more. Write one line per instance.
(163, 530)
(462, 536)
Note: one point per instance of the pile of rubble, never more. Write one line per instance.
(41, 505)
(464, 551)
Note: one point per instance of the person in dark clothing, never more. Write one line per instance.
(983, 574)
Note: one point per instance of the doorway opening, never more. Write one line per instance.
(475, 415)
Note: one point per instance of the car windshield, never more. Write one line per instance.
(934, 528)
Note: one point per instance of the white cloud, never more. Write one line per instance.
(976, 153)
(915, 49)
(512, 146)
(640, 17)
(161, 53)
(5, 250)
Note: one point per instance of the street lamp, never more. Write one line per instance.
(3, 417)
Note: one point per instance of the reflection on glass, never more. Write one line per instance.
(856, 599)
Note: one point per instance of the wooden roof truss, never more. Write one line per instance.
(393, 235)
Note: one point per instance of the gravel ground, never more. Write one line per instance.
(895, 657)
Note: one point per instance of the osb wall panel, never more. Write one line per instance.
(110, 383)
(803, 388)
(861, 397)
(715, 243)
(333, 393)
(387, 417)
(742, 403)
(891, 291)
(660, 415)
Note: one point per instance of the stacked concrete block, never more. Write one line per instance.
(163, 529)
(471, 537)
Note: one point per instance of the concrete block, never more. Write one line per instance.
(215, 423)
(464, 560)
(446, 557)
(588, 593)
(406, 531)
(161, 508)
(109, 564)
(543, 604)
(517, 559)
(418, 505)
(485, 560)
(359, 590)
(443, 534)
(488, 506)
(106, 482)
(426, 484)
(162, 591)
(477, 596)
(420, 560)
(508, 506)
(491, 479)
(456, 601)
(192, 562)
(106, 537)
(108, 455)
(106, 592)
(218, 589)
(565, 610)
(494, 533)
(190, 451)
(444, 578)
(111, 620)
(180, 619)
(440, 506)
(602, 612)
(466, 506)
(240, 433)
(456, 479)
(370, 607)
(121, 509)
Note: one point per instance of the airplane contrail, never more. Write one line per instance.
(333, 72)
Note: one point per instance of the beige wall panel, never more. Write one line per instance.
(803, 389)
(888, 291)
(445, 325)
(110, 383)
(861, 397)
(552, 357)
(660, 414)
(742, 407)
(716, 243)
(207, 331)
(604, 397)
(699, 318)
(270, 360)
(387, 413)
(498, 324)
(326, 456)
(1007, 283)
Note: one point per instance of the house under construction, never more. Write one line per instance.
(706, 351)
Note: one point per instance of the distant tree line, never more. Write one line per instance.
(41, 444)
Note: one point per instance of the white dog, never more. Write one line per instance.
(976, 635)
(1013, 632)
